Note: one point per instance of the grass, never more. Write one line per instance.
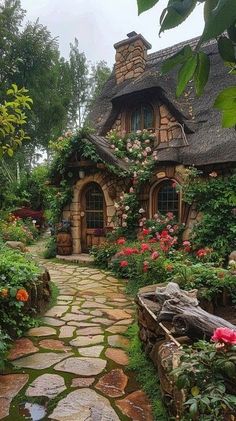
(146, 374)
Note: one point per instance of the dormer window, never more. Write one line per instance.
(142, 117)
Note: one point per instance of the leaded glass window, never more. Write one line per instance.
(167, 198)
(94, 207)
(142, 118)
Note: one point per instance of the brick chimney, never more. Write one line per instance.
(131, 56)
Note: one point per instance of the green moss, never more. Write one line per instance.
(146, 374)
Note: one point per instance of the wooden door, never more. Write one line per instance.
(93, 221)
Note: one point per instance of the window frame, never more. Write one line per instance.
(154, 197)
(94, 211)
(140, 107)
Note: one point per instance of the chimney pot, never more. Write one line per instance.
(131, 34)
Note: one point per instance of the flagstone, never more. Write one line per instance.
(124, 322)
(75, 317)
(66, 331)
(90, 331)
(84, 366)
(116, 329)
(118, 341)
(91, 351)
(41, 331)
(40, 361)
(53, 322)
(136, 406)
(21, 347)
(82, 381)
(57, 311)
(103, 321)
(87, 340)
(82, 324)
(54, 344)
(93, 304)
(119, 356)
(84, 405)
(49, 385)
(116, 314)
(113, 383)
(10, 386)
(97, 313)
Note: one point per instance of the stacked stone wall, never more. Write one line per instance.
(130, 60)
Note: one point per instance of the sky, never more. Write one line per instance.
(98, 24)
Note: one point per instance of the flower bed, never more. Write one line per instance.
(15, 229)
(24, 291)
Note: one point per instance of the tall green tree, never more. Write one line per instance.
(194, 64)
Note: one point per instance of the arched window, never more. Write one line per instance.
(94, 206)
(166, 198)
(142, 117)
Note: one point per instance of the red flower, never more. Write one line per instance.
(123, 263)
(121, 241)
(225, 335)
(203, 252)
(146, 231)
(129, 250)
(164, 233)
(152, 240)
(145, 247)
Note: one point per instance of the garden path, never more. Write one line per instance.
(73, 367)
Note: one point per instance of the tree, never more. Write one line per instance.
(220, 23)
(12, 120)
(80, 84)
(100, 73)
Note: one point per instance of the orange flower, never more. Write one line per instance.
(4, 292)
(22, 295)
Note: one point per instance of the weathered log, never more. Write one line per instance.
(188, 318)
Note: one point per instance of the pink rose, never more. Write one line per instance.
(223, 334)
(154, 255)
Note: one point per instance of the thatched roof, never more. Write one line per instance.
(208, 141)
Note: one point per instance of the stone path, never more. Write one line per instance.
(73, 367)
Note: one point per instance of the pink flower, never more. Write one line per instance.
(145, 266)
(123, 263)
(213, 174)
(223, 334)
(121, 241)
(155, 255)
(131, 190)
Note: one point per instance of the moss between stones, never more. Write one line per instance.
(146, 374)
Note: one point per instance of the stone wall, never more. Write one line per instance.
(112, 189)
(169, 129)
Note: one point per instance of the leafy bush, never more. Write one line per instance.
(215, 197)
(17, 274)
(208, 280)
(51, 248)
(103, 254)
(207, 373)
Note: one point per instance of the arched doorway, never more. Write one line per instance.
(93, 216)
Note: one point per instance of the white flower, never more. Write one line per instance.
(127, 208)
(116, 149)
(126, 159)
(148, 149)
(147, 141)
(124, 216)
(141, 210)
(116, 205)
(138, 131)
(112, 146)
(124, 224)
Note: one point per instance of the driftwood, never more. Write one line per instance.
(187, 317)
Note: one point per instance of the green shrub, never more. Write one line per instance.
(103, 253)
(15, 229)
(17, 274)
(51, 248)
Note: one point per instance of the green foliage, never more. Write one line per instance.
(205, 373)
(210, 282)
(4, 345)
(145, 373)
(50, 249)
(17, 272)
(103, 254)
(12, 120)
(220, 16)
(215, 197)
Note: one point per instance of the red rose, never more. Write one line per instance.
(121, 241)
(145, 247)
(146, 231)
(123, 263)
(225, 335)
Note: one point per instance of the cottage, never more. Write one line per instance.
(187, 132)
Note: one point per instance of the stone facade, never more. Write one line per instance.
(131, 57)
(169, 129)
(111, 188)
